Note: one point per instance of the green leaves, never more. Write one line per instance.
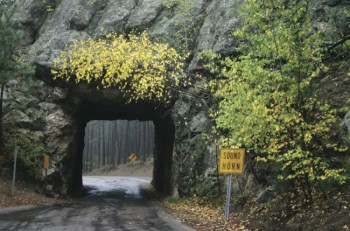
(11, 64)
(268, 98)
(184, 24)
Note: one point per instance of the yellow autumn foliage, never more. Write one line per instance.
(140, 68)
(269, 99)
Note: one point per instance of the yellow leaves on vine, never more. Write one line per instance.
(144, 69)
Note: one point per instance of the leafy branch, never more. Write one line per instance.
(138, 67)
(268, 99)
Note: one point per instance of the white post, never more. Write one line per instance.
(228, 197)
(14, 170)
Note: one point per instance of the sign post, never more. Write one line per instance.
(14, 170)
(231, 161)
(46, 163)
(132, 158)
(228, 196)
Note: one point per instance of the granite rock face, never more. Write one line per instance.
(61, 110)
(52, 25)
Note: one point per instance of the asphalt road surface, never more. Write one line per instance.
(112, 203)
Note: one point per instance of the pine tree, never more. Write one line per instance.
(11, 64)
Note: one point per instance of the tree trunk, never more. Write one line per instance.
(2, 142)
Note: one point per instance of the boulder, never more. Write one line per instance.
(200, 124)
(346, 123)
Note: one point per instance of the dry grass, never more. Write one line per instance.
(24, 195)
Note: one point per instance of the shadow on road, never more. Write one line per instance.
(109, 203)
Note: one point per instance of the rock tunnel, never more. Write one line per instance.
(62, 111)
(163, 131)
(76, 105)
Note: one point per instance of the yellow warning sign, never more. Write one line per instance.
(231, 160)
(46, 161)
(132, 157)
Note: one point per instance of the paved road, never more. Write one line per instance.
(112, 203)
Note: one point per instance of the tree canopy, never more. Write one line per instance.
(268, 96)
(11, 63)
(12, 66)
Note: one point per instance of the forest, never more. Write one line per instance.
(110, 143)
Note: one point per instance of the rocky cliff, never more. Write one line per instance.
(62, 110)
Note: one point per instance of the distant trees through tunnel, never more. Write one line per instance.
(110, 143)
(107, 134)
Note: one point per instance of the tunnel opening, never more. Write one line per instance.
(119, 147)
(147, 115)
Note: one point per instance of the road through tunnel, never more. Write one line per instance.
(71, 169)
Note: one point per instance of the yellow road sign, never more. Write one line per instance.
(231, 160)
(46, 161)
(132, 157)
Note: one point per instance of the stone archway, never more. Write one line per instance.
(67, 119)
(55, 108)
